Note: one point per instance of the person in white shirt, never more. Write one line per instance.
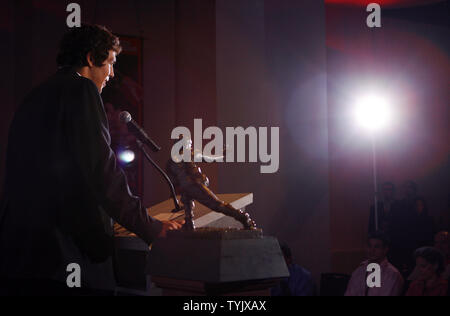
(391, 279)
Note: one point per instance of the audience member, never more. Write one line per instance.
(412, 229)
(409, 194)
(429, 282)
(387, 207)
(391, 279)
(299, 283)
(441, 242)
(443, 221)
(421, 225)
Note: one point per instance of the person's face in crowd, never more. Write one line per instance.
(388, 192)
(426, 270)
(288, 260)
(441, 242)
(420, 206)
(410, 190)
(376, 250)
(101, 75)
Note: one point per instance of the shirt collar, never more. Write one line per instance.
(382, 263)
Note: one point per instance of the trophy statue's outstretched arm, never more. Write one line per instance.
(193, 185)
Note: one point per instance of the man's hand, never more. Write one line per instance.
(170, 225)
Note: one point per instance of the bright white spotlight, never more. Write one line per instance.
(126, 156)
(372, 112)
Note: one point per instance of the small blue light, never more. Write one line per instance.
(126, 156)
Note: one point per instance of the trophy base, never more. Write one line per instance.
(213, 233)
(214, 255)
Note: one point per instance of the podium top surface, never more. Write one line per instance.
(202, 214)
(163, 210)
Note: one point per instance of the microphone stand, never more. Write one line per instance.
(166, 177)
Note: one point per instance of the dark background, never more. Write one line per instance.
(293, 64)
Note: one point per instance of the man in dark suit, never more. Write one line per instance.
(387, 207)
(63, 185)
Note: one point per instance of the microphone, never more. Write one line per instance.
(137, 131)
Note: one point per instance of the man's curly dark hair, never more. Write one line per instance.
(79, 41)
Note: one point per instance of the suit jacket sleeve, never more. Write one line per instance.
(89, 143)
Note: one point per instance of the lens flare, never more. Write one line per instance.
(372, 112)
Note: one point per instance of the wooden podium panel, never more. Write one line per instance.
(173, 287)
(216, 262)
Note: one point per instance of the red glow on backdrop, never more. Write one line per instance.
(388, 3)
(56, 8)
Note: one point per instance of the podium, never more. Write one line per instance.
(217, 259)
(218, 262)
